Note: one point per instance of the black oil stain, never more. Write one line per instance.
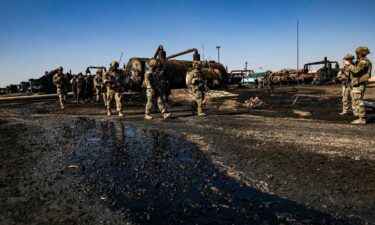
(158, 178)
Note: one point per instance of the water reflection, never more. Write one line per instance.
(163, 179)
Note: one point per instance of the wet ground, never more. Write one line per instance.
(286, 164)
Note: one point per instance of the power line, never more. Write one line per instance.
(203, 50)
(297, 46)
(218, 53)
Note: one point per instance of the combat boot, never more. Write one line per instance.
(200, 112)
(343, 113)
(167, 115)
(360, 121)
(120, 114)
(109, 113)
(148, 117)
(62, 103)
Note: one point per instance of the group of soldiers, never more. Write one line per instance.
(354, 77)
(110, 86)
(82, 88)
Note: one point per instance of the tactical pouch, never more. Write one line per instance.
(355, 81)
(364, 79)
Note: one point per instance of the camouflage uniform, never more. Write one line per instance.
(344, 77)
(268, 80)
(100, 90)
(197, 84)
(155, 81)
(73, 83)
(114, 85)
(59, 80)
(89, 88)
(360, 74)
(80, 88)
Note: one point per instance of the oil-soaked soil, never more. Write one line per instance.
(234, 166)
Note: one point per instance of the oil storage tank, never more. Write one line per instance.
(176, 70)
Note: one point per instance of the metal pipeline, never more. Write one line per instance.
(325, 62)
(95, 67)
(196, 56)
(241, 71)
(326, 73)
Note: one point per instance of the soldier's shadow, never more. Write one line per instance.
(370, 115)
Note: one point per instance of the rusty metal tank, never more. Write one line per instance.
(136, 69)
(45, 82)
(176, 70)
(216, 74)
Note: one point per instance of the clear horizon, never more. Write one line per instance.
(42, 35)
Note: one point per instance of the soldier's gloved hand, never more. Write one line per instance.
(346, 62)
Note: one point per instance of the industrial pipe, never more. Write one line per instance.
(196, 56)
(95, 67)
(325, 62)
(241, 71)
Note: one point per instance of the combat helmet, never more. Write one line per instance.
(114, 64)
(153, 63)
(362, 50)
(348, 57)
(197, 63)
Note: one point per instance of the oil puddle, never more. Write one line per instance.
(158, 178)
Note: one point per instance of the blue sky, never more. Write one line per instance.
(39, 35)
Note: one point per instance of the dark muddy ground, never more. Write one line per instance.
(286, 164)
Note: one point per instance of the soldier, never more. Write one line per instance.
(99, 86)
(163, 84)
(268, 81)
(115, 87)
(197, 84)
(80, 88)
(89, 88)
(344, 77)
(73, 83)
(360, 74)
(59, 80)
(155, 81)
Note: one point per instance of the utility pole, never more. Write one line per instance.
(203, 50)
(246, 65)
(297, 46)
(218, 53)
